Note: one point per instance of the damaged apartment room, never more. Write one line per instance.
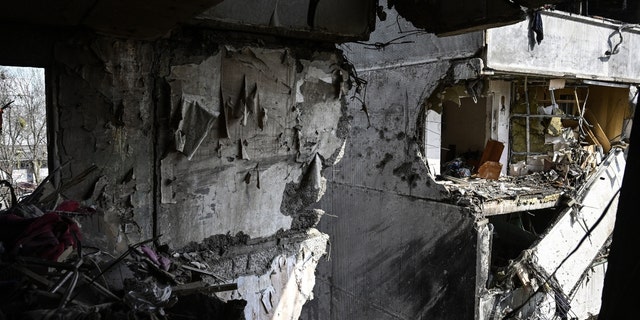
(535, 147)
(315, 160)
(184, 151)
(537, 195)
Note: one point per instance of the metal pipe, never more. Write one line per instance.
(67, 276)
(526, 96)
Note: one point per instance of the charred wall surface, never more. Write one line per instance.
(393, 257)
(397, 251)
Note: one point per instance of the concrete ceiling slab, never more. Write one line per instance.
(132, 18)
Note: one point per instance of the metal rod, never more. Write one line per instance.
(101, 289)
(67, 276)
(561, 116)
(528, 153)
(528, 138)
(70, 289)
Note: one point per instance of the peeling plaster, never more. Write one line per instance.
(239, 207)
(257, 146)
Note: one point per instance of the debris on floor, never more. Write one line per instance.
(541, 261)
(458, 168)
(47, 273)
(537, 182)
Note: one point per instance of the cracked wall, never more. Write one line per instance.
(397, 250)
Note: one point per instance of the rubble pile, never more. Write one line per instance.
(47, 272)
(473, 192)
(563, 170)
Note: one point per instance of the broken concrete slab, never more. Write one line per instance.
(286, 286)
(505, 195)
(568, 249)
(556, 267)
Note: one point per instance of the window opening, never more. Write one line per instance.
(538, 111)
(23, 130)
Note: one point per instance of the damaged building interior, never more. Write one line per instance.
(325, 160)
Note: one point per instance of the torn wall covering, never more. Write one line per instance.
(268, 126)
(221, 146)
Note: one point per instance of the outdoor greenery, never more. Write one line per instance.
(23, 135)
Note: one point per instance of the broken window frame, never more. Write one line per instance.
(528, 116)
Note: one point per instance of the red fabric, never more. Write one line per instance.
(44, 237)
(48, 236)
(68, 206)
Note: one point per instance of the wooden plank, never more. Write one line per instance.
(591, 138)
(597, 131)
(492, 152)
(490, 170)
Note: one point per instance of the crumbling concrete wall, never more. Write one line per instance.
(212, 147)
(103, 99)
(397, 251)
